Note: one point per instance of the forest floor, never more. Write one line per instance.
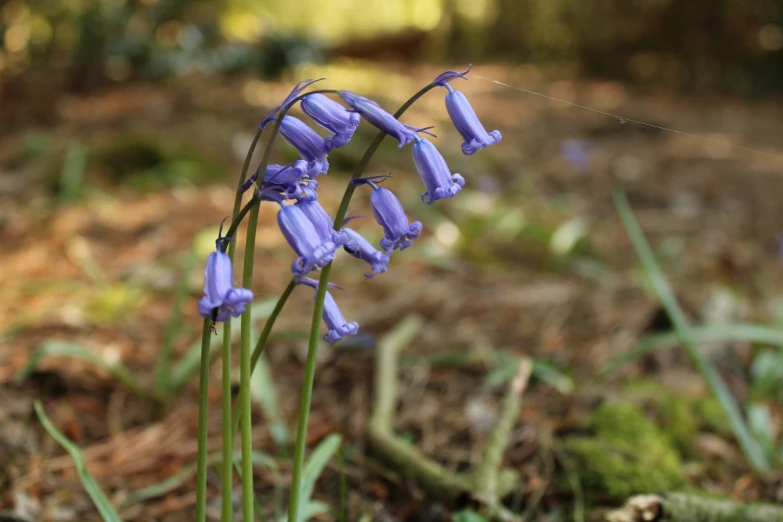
(107, 200)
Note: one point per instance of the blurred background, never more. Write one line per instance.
(123, 127)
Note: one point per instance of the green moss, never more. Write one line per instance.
(627, 455)
(680, 414)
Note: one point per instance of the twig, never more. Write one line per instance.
(680, 507)
(488, 483)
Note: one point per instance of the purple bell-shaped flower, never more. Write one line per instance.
(435, 173)
(304, 239)
(221, 299)
(310, 145)
(360, 248)
(322, 221)
(379, 118)
(288, 180)
(335, 322)
(389, 214)
(464, 117)
(331, 116)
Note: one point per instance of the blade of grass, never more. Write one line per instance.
(723, 332)
(107, 512)
(163, 366)
(53, 348)
(750, 446)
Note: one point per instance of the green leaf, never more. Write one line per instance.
(264, 392)
(54, 348)
(750, 446)
(313, 468)
(467, 515)
(102, 503)
(724, 332)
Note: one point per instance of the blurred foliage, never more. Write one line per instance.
(627, 454)
(730, 44)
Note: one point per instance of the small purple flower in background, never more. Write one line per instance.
(435, 173)
(321, 220)
(221, 300)
(296, 91)
(331, 116)
(577, 153)
(464, 117)
(379, 118)
(310, 145)
(301, 234)
(360, 248)
(389, 214)
(338, 326)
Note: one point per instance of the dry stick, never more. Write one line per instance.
(488, 475)
(489, 483)
(679, 507)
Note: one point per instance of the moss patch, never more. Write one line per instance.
(627, 455)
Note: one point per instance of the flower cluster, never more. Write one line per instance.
(307, 226)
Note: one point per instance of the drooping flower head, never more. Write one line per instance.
(310, 145)
(335, 322)
(221, 299)
(389, 214)
(379, 118)
(301, 234)
(321, 220)
(464, 117)
(434, 172)
(360, 248)
(331, 116)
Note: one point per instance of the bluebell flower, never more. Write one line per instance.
(335, 322)
(221, 299)
(435, 173)
(360, 248)
(322, 221)
(577, 153)
(310, 145)
(379, 118)
(464, 117)
(389, 214)
(301, 234)
(331, 116)
(288, 180)
(296, 91)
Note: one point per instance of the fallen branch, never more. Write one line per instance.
(679, 507)
(489, 482)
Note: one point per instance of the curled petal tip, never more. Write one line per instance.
(444, 78)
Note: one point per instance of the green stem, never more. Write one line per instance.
(312, 348)
(203, 388)
(261, 344)
(226, 508)
(244, 372)
(227, 511)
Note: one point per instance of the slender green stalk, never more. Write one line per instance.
(226, 507)
(312, 348)
(261, 344)
(244, 372)
(750, 446)
(203, 389)
(227, 511)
